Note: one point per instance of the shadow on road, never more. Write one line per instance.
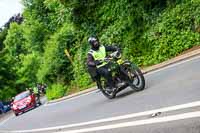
(127, 92)
(124, 94)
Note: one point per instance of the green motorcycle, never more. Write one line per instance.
(124, 73)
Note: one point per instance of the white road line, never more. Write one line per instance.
(4, 121)
(165, 109)
(120, 117)
(137, 123)
(174, 65)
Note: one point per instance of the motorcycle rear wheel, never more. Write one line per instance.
(101, 84)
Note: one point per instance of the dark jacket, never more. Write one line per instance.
(92, 64)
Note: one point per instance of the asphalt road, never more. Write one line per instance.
(173, 92)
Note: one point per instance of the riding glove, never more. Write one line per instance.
(98, 62)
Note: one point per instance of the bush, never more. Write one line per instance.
(55, 91)
(56, 65)
(174, 32)
(148, 31)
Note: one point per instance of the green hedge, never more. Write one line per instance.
(148, 31)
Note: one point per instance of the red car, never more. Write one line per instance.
(23, 102)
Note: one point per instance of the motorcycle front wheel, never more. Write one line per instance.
(135, 78)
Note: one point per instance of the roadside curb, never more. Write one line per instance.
(144, 70)
(73, 95)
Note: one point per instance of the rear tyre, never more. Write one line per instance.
(136, 79)
(102, 85)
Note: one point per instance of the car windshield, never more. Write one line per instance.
(22, 95)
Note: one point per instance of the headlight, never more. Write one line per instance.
(14, 106)
(28, 100)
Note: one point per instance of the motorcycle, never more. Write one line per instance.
(42, 89)
(124, 73)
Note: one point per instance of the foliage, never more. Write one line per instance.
(7, 77)
(28, 69)
(56, 90)
(14, 41)
(174, 31)
(55, 66)
(50, 46)
(82, 78)
(3, 35)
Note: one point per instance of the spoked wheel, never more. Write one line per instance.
(102, 85)
(135, 77)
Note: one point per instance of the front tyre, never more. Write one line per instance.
(135, 78)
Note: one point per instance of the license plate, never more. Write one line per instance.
(21, 107)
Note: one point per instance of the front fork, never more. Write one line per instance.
(127, 75)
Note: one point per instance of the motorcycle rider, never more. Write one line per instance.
(95, 61)
(37, 94)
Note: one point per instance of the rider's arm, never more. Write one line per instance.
(112, 48)
(90, 61)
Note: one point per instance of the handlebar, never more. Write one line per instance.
(114, 55)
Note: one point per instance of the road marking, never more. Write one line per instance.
(137, 123)
(150, 112)
(118, 117)
(173, 65)
(4, 121)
